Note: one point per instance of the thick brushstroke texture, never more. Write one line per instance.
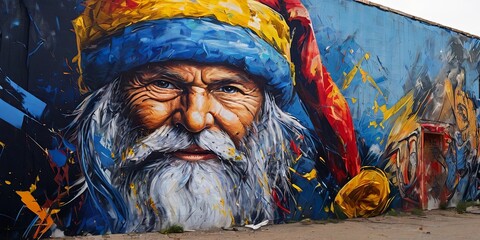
(401, 132)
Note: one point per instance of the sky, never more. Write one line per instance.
(463, 15)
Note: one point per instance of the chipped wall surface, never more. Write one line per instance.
(125, 116)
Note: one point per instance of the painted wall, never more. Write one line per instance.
(406, 80)
(400, 131)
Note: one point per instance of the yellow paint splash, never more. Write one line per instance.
(327, 209)
(297, 188)
(54, 211)
(404, 104)
(284, 149)
(366, 77)
(128, 153)
(133, 189)
(405, 101)
(265, 180)
(260, 182)
(2, 146)
(153, 206)
(349, 76)
(71, 160)
(261, 154)
(151, 203)
(231, 152)
(297, 158)
(375, 107)
(137, 206)
(311, 175)
(406, 122)
(8, 182)
(232, 217)
(33, 187)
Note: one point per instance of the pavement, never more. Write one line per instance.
(434, 224)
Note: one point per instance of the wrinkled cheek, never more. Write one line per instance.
(149, 116)
(240, 123)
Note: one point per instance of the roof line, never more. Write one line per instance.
(385, 8)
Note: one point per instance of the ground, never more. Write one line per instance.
(435, 224)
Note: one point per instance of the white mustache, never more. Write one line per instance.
(167, 139)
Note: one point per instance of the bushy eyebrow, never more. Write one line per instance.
(232, 78)
(158, 72)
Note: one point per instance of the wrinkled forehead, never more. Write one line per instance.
(185, 71)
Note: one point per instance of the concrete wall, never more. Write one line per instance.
(402, 77)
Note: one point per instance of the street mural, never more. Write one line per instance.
(122, 116)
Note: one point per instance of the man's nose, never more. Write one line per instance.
(196, 116)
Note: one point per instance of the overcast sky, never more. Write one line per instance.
(463, 15)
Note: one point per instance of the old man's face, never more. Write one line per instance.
(185, 143)
(196, 96)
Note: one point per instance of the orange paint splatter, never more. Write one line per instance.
(153, 206)
(45, 220)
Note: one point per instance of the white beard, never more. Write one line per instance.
(160, 191)
(165, 191)
(195, 195)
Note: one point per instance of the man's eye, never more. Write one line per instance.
(229, 89)
(164, 84)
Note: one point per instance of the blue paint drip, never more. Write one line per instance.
(30, 227)
(103, 153)
(15, 23)
(1, 150)
(30, 103)
(11, 115)
(39, 44)
(58, 157)
(69, 145)
(58, 23)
